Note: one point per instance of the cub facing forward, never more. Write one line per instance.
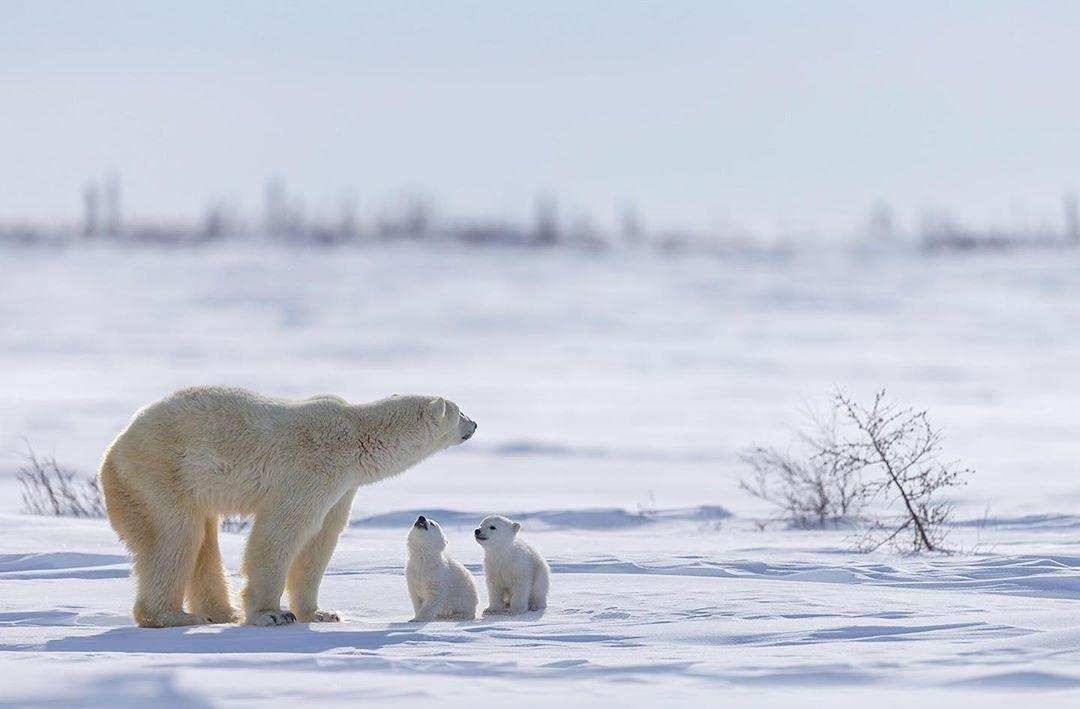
(517, 576)
(440, 588)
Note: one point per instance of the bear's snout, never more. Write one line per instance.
(468, 427)
(421, 522)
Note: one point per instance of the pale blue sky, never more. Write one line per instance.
(792, 114)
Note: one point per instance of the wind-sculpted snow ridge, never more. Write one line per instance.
(551, 449)
(1033, 576)
(586, 519)
(1037, 522)
(61, 564)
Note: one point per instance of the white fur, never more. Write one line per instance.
(517, 575)
(440, 588)
(200, 453)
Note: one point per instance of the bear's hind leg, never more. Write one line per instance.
(208, 589)
(162, 571)
(538, 596)
(159, 551)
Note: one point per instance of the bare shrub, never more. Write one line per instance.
(812, 489)
(51, 489)
(808, 494)
(881, 463)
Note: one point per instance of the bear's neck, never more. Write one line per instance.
(384, 450)
(496, 553)
(426, 556)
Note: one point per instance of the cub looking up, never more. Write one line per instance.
(440, 588)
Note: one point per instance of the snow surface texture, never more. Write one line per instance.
(613, 394)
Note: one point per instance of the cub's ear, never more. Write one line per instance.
(437, 409)
(516, 526)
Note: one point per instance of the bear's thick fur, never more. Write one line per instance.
(200, 453)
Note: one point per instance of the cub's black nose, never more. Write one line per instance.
(476, 532)
(421, 522)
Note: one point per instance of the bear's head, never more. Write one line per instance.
(440, 419)
(452, 425)
(426, 536)
(495, 531)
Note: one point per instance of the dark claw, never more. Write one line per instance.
(288, 617)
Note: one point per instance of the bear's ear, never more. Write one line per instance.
(516, 526)
(437, 409)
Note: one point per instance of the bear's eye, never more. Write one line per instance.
(492, 528)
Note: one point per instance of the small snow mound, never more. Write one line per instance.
(611, 615)
(56, 560)
(551, 449)
(547, 449)
(1033, 522)
(405, 518)
(826, 576)
(602, 518)
(564, 664)
(1021, 680)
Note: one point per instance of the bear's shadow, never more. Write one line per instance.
(238, 639)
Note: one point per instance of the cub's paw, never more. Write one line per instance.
(267, 618)
(492, 610)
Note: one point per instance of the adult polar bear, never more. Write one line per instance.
(184, 461)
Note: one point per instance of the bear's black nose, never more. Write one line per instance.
(476, 532)
(470, 428)
(421, 522)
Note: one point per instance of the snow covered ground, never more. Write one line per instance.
(613, 393)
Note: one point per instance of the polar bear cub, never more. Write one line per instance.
(440, 588)
(517, 576)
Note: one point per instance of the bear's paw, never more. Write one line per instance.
(268, 618)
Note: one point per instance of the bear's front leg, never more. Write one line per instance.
(429, 609)
(307, 569)
(519, 597)
(275, 539)
(495, 595)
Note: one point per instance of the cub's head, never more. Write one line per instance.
(495, 531)
(426, 535)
